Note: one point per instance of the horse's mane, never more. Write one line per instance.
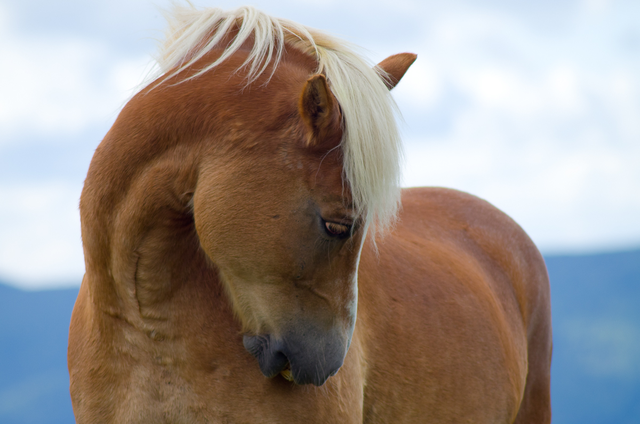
(371, 142)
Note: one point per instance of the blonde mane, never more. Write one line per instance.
(371, 142)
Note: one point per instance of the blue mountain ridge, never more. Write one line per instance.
(34, 382)
(595, 302)
(595, 370)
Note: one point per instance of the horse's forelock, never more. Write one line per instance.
(371, 142)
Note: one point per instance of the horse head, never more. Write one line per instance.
(279, 223)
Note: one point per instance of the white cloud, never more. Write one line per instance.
(533, 125)
(60, 85)
(40, 241)
(421, 88)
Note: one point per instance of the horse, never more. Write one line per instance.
(250, 256)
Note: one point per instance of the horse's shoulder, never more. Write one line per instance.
(452, 205)
(472, 227)
(444, 210)
(461, 282)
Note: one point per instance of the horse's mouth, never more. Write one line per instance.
(286, 372)
(310, 355)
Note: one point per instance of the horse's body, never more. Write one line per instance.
(219, 229)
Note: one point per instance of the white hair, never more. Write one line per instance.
(371, 142)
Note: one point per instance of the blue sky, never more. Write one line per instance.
(534, 107)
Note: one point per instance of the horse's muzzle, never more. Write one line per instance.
(313, 357)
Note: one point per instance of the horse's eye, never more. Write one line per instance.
(337, 230)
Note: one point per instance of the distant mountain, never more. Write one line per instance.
(34, 382)
(596, 321)
(595, 371)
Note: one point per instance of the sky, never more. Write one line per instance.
(533, 106)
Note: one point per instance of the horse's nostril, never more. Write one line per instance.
(254, 344)
(268, 352)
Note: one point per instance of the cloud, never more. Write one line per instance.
(40, 227)
(530, 122)
(60, 84)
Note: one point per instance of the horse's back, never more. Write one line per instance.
(454, 316)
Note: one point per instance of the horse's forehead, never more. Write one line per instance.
(271, 101)
(264, 117)
(327, 179)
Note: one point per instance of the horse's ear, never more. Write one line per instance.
(320, 112)
(395, 67)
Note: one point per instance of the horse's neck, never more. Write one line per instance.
(149, 269)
